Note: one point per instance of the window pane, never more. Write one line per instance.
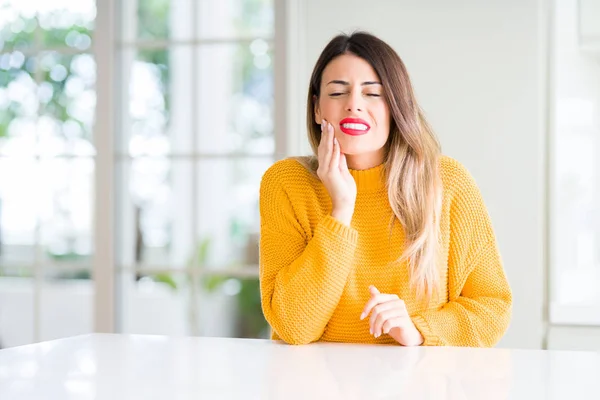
(206, 306)
(66, 304)
(19, 102)
(245, 318)
(19, 195)
(16, 311)
(575, 176)
(17, 25)
(67, 103)
(234, 18)
(160, 102)
(164, 19)
(155, 211)
(174, 20)
(67, 23)
(235, 89)
(166, 295)
(65, 200)
(234, 97)
(228, 220)
(16, 271)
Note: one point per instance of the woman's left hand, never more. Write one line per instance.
(389, 316)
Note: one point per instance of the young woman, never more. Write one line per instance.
(377, 238)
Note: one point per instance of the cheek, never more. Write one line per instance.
(334, 107)
(326, 106)
(381, 114)
(385, 121)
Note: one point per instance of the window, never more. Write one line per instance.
(575, 171)
(193, 138)
(192, 103)
(47, 163)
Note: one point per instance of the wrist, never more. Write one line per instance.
(343, 215)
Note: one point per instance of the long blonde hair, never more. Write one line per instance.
(411, 155)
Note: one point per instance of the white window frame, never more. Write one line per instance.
(40, 265)
(105, 271)
(560, 315)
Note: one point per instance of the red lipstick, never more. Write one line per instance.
(354, 126)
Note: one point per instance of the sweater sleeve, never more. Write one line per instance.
(479, 308)
(302, 276)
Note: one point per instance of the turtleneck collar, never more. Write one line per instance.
(369, 179)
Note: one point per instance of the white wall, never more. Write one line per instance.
(478, 70)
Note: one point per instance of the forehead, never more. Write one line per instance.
(349, 67)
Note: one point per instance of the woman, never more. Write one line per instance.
(378, 238)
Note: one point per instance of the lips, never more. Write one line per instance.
(354, 126)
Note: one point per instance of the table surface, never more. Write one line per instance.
(102, 366)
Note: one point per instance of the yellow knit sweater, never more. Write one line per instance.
(315, 271)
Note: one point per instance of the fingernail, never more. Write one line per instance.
(371, 331)
(362, 316)
(376, 336)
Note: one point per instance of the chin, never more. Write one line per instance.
(357, 145)
(353, 153)
(353, 150)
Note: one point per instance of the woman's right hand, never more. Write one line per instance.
(333, 172)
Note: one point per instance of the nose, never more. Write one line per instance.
(355, 101)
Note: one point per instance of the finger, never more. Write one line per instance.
(330, 136)
(321, 141)
(321, 145)
(325, 146)
(374, 300)
(343, 163)
(395, 312)
(395, 322)
(377, 310)
(381, 319)
(372, 291)
(335, 158)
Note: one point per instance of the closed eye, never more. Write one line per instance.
(338, 94)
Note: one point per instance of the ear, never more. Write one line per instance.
(317, 110)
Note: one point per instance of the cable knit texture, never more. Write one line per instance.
(315, 271)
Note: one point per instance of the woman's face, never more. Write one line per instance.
(352, 101)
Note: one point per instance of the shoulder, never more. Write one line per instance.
(463, 197)
(288, 174)
(456, 178)
(452, 170)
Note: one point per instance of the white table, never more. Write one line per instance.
(154, 367)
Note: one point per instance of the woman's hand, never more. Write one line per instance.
(389, 316)
(333, 172)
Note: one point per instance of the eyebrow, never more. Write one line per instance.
(346, 83)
